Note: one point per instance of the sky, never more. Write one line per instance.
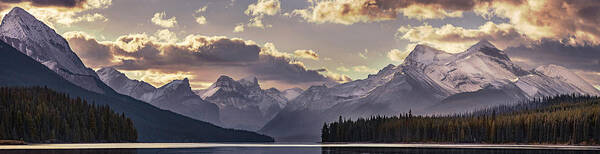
(299, 43)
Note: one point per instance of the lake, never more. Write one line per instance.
(304, 148)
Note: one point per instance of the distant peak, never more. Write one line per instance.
(109, 72)
(389, 66)
(424, 54)
(251, 80)
(179, 83)
(18, 11)
(108, 69)
(422, 46)
(481, 44)
(550, 67)
(274, 90)
(224, 78)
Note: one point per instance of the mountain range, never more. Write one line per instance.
(34, 55)
(176, 96)
(429, 81)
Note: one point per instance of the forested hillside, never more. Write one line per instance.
(565, 119)
(39, 114)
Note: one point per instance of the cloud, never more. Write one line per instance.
(399, 56)
(204, 57)
(202, 9)
(257, 11)
(84, 18)
(348, 12)
(65, 12)
(343, 69)
(47, 3)
(338, 78)
(91, 52)
(572, 22)
(307, 54)
(165, 35)
(160, 19)
(585, 60)
(263, 7)
(456, 39)
(200, 19)
(363, 69)
(238, 28)
(363, 54)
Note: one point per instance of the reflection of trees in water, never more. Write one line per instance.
(102, 151)
(330, 150)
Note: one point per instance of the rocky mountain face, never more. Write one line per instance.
(243, 104)
(32, 37)
(176, 96)
(122, 84)
(430, 81)
(32, 54)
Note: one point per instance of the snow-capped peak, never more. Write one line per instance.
(485, 48)
(40, 42)
(481, 44)
(423, 54)
(291, 93)
(250, 81)
(109, 71)
(21, 25)
(185, 83)
(563, 74)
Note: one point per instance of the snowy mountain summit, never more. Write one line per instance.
(242, 103)
(430, 81)
(40, 42)
(176, 95)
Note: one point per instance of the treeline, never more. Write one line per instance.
(564, 119)
(38, 114)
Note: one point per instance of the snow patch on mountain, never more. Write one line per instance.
(242, 103)
(40, 42)
(429, 81)
(176, 96)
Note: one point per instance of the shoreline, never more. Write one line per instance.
(12, 142)
(83, 146)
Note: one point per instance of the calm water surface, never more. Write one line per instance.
(292, 149)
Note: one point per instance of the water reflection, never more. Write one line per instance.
(103, 151)
(327, 150)
(279, 150)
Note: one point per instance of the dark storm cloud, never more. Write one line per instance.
(43, 3)
(89, 50)
(195, 52)
(553, 52)
(280, 68)
(582, 59)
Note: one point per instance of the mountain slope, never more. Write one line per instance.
(153, 124)
(243, 104)
(34, 38)
(122, 84)
(176, 96)
(430, 81)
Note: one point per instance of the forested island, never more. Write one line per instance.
(564, 119)
(40, 115)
